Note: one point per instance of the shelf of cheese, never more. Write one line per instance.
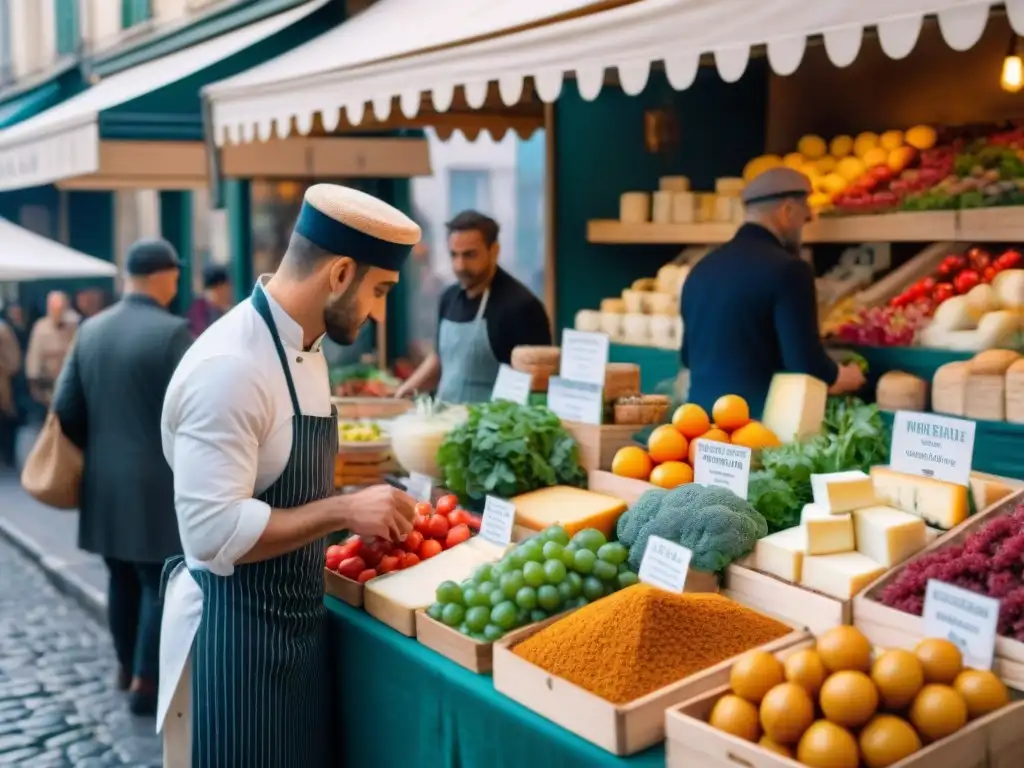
(977, 225)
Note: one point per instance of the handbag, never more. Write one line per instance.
(53, 470)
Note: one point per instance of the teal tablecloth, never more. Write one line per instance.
(399, 704)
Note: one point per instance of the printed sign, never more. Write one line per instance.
(575, 400)
(420, 487)
(965, 618)
(497, 521)
(665, 564)
(584, 356)
(722, 464)
(928, 445)
(512, 385)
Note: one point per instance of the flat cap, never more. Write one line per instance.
(151, 255)
(775, 184)
(214, 275)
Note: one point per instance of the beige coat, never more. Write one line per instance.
(48, 345)
(10, 364)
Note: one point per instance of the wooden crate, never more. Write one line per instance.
(625, 488)
(993, 741)
(360, 467)
(346, 590)
(352, 408)
(599, 442)
(453, 645)
(622, 729)
(891, 628)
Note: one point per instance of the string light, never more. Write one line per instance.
(1012, 78)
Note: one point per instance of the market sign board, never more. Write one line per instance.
(965, 618)
(576, 400)
(498, 519)
(723, 465)
(665, 564)
(512, 385)
(584, 356)
(928, 445)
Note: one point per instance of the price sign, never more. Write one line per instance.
(965, 618)
(497, 521)
(584, 356)
(665, 564)
(724, 465)
(933, 446)
(420, 487)
(512, 385)
(576, 400)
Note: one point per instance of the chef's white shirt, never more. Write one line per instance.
(227, 436)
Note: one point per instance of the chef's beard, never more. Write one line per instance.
(341, 318)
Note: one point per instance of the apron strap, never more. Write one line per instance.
(483, 305)
(259, 301)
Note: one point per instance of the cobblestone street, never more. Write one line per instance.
(58, 706)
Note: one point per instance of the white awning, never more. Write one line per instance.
(63, 142)
(24, 255)
(323, 77)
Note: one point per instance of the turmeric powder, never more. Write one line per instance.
(640, 639)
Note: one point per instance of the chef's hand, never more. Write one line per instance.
(403, 391)
(850, 379)
(382, 511)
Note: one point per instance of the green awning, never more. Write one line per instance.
(31, 103)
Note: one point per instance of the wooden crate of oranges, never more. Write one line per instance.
(672, 448)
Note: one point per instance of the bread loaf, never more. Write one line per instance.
(949, 388)
(899, 391)
(621, 380)
(643, 409)
(1015, 393)
(985, 396)
(541, 362)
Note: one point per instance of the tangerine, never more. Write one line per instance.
(730, 412)
(691, 420)
(632, 461)
(717, 435)
(666, 443)
(755, 435)
(672, 474)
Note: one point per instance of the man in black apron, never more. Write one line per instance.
(251, 435)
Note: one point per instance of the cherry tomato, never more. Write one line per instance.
(333, 561)
(457, 517)
(412, 542)
(419, 523)
(438, 527)
(410, 559)
(372, 556)
(366, 575)
(389, 563)
(447, 503)
(457, 535)
(351, 548)
(429, 548)
(423, 508)
(351, 568)
(473, 521)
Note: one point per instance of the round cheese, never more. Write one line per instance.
(1015, 393)
(635, 208)
(661, 208)
(588, 320)
(617, 306)
(899, 391)
(949, 388)
(992, 361)
(541, 362)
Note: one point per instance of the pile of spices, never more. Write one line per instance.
(640, 639)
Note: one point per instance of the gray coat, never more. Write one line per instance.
(109, 397)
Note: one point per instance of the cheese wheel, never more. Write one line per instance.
(985, 396)
(634, 301)
(541, 362)
(674, 184)
(684, 208)
(730, 187)
(1009, 287)
(617, 306)
(993, 361)
(1015, 393)
(644, 284)
(621, 380)
(661, 207)
(899, 391)
(588, 320)
(634, 207)
(949, 388)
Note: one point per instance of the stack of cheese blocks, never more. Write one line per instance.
(989, 387)
(858, 527)
(674, 203)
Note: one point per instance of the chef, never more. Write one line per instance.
(749, 307)
(251, 436)
(481, 318)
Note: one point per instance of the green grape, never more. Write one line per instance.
(511, 583)
(483, 573)
(590, 538)
(557, 534)
(449, 592)
(434, 611)
(526, 598)
(477, 618)
(453, 614)
(583, 561)
(553, 550)
(554, 571)
(593, 589)
(533, 574)
(503, 615)
(613, 552)
(627, 579)
(548, 598)
(604, 570)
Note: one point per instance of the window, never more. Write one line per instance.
(66, 13)
(469, 189)
(6, 59)
(134, 12)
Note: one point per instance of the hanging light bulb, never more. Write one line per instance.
(1012, 78)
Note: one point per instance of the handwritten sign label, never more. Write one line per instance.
(965, 618)
(665, 564)
(584, 356)
(497, 521)
(575, 400)
(420, 487)
(512, 385)
(928, 445)
(724, 465)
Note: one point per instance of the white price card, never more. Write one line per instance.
(512, 385)
(665, 564)
(497, 521)
(420, 487)
(928, 445)
(584, 356)
(576, 400)
(965, 618)
(722, 464)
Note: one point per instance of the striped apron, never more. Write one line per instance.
(260, 696)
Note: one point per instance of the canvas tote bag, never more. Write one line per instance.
(53, 470)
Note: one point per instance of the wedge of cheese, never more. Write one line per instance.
(795, 406)
(840, 576)
(841, 492)
(938, 503)
(812, 510)
(781, 554)
(888, 536)
(987, 491)
(573, 508)
(829, 534)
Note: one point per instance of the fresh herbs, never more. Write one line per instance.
(504, 449)
(853, 437)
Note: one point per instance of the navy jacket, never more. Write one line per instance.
(750, 311)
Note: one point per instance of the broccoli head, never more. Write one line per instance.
(644, 509)
(717, 526)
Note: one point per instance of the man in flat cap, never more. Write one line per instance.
(108, 400)
(249, 430)
(215, 301)
(749, 307)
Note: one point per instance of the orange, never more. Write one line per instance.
(712, 434)
(672, 474)
(755, 435)
(730, 412)
(632, 461)
(691, 420)
(666, 443)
